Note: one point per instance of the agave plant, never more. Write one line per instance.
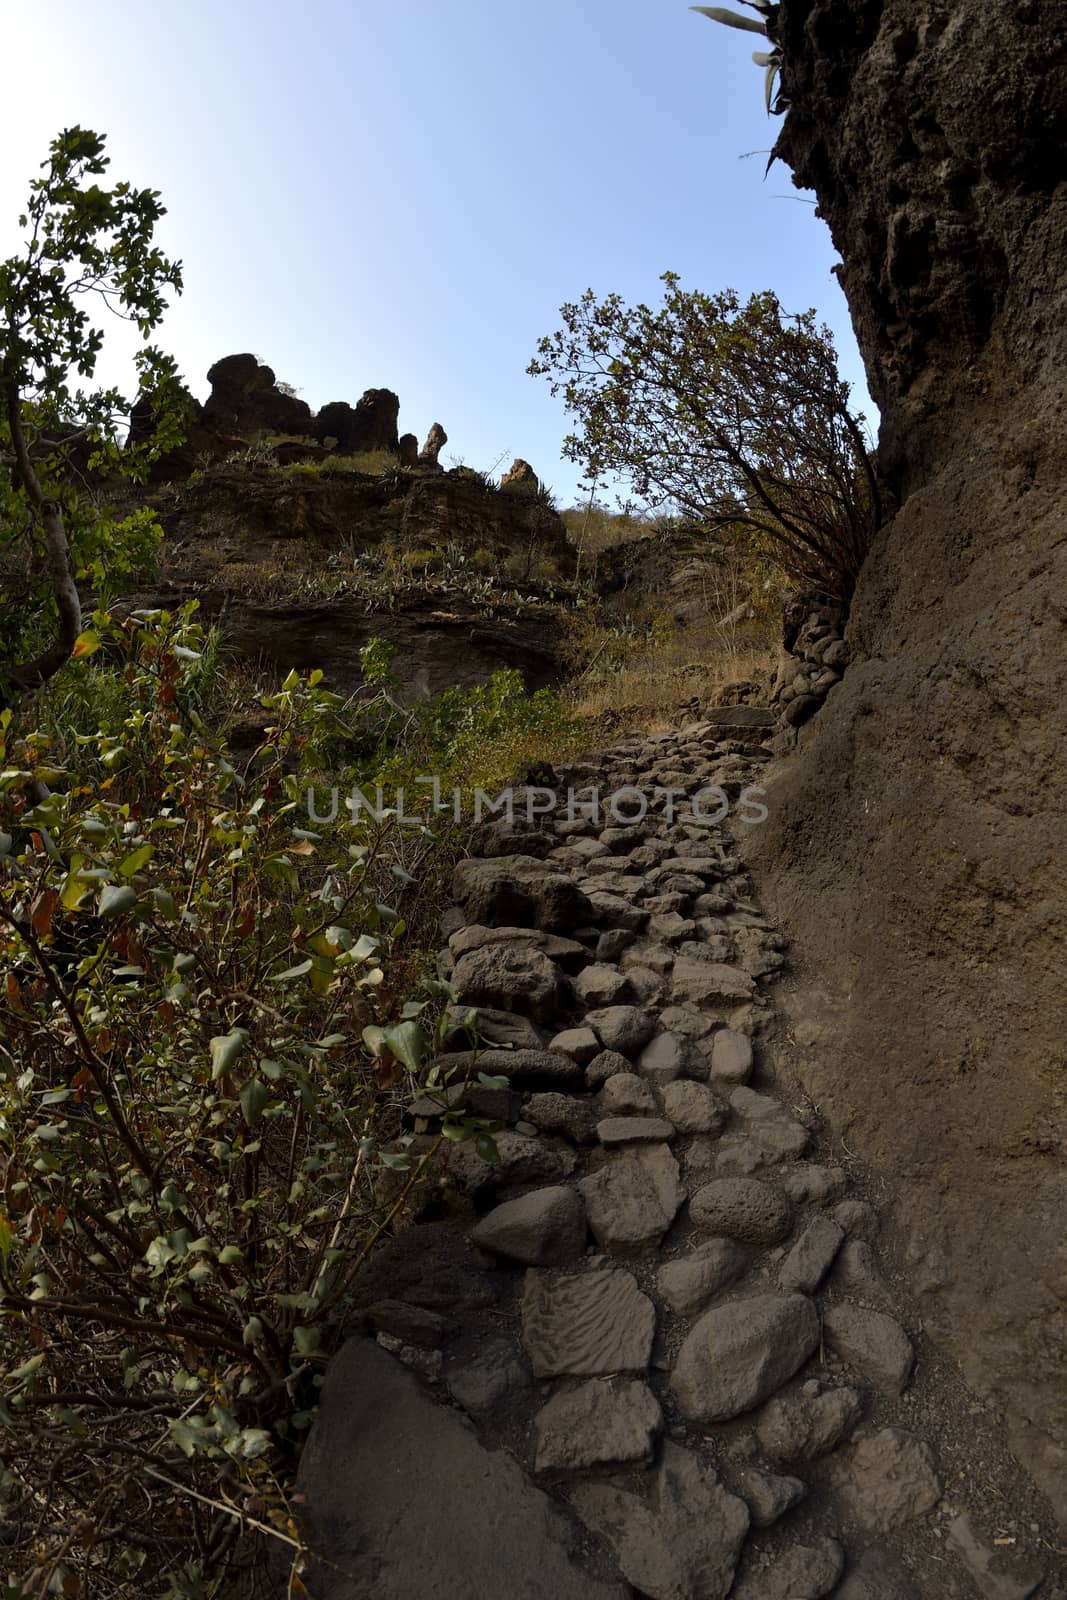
(771, 60)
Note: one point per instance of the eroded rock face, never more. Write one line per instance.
(245, 399)
(917, 844)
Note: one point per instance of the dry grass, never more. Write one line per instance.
(693, 663)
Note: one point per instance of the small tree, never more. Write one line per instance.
(735, 413)
(57, 441)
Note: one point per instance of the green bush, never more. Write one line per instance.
(210, 1014)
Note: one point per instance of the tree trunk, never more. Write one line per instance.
(32, 674)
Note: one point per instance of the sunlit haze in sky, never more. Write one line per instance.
(402, 194)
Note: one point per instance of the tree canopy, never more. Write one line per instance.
(85, 247)
(732, 411)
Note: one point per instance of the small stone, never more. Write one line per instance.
(602, 986)
(769, 1123)
(532, 1068)
(872, 1343)
(670, 1056)
(671, 927)
(608, 1064)
(875, 1578)
(605, 1422)
(803, 1572)
(811, 1258)
(586, 1325)
(634, 1130)
(856, 1273)
(693, 1107)
(613, 942)
(622, 1028)
(710, 983)
(802, 1427)
(731, 1057)
(581, 1044)
(633, 1199)
(683, 1541)
(627, 1095)
(504, 1030)
(520, 1160)
(648, 987)
(740, 1353)
(743, 1209)
(807, 1183)
(770, 1496)
(686, 1286)
(562, 1114)
(686, 1020)
(481, 1384)
(544, 1228)
(886, 1479)
(411, 1325)
(999, 1574)
(858, 1219)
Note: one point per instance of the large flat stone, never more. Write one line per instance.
(586, 1325)
(607, 1422)
(401, 1500)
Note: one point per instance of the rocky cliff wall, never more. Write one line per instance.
(918, 835)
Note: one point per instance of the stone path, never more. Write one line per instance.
(653, 1350)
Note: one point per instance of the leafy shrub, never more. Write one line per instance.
(210, 1012)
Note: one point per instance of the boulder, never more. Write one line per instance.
(510, 977)
(436, 440)
(245, 400)
(520, 478)
(687, 1285)
(397, 1493)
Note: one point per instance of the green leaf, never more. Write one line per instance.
(255, 1098)
(409, 1044)
(136, 860)
(230, 1255)
(731, 19)
(485, 1145)
(226, 1050)
(116, 899)
(292, 972)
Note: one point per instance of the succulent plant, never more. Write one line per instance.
(770, 60)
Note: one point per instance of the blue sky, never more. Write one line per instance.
(402, 195)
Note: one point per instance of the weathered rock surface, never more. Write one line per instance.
(805, 1572)
(743, 1209)
(799, 1427)
(400, 1496)
(687, 1285)
(543, 1229)
(606, 1422)
(873, 1343)
(633, 1198)
(769, 1496)
(586, 1324)
(886, 1479)
(509, 977)
(682, 1543)
(738, 1354)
